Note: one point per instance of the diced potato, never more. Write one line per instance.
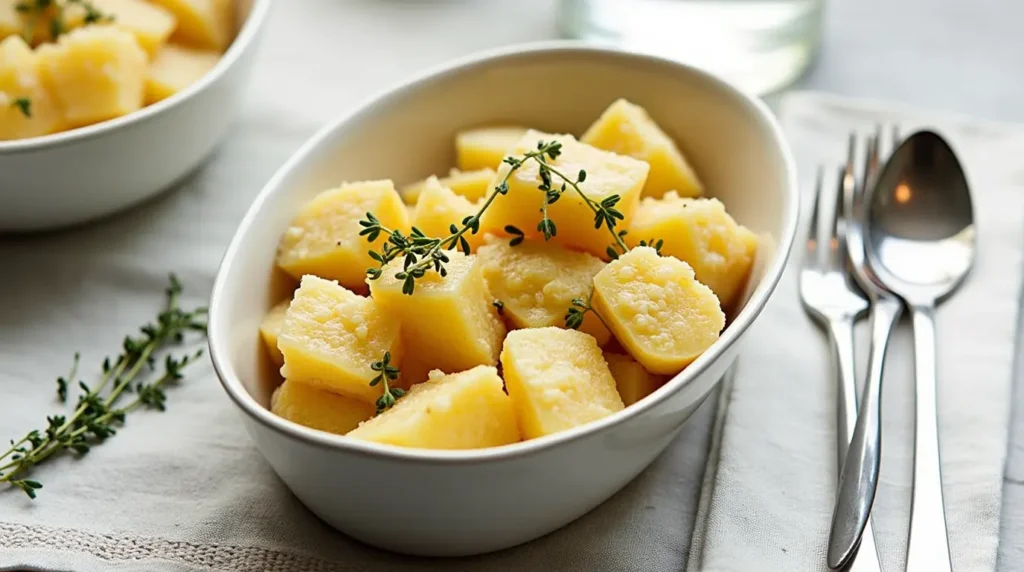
(203, 24)
(448, 322)
(606, 174)
(656, 308)
(700, 233)
(438, 208)
(467, 410)
(470, 184)
(557, 380)
(631, 379)
(150, 23)
(319, 409)
(10, 21)
(97, 73)
(331, 336)
(174, 68)
(323, 239)
(26, 107)
(627, 129)
(484, 148)
(271, 328)
(536, 282)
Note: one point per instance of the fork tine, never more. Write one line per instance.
(814, 228)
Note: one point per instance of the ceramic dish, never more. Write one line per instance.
(86, 173)
(467, 502)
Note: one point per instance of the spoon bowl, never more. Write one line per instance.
(920, 243)
(920, 221)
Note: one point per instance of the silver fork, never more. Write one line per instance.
(829, 295)
(859, 474)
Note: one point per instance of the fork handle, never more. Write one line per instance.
(859, 476)
(841, 336)
(928, 548)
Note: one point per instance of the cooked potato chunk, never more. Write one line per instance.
(323, 239)
(470, 184)
(438, 208)
(150, 23)
(10, 21)
(319, 409)
(484, 148)
(448, 322)
(204, 24)
(657, 309)
(97, 73)
(536, 282)
(606, 174)
(174, 68)
(627, 129)
(557, 380)
(270, 329)
(26, 107)
(631, 379)
(331, 336)
(700, 233)
(466, 410)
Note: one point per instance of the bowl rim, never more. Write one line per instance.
(243, 40)
(755, 304)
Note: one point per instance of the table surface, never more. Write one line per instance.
(953, 55)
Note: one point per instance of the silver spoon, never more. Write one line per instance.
(920, 244)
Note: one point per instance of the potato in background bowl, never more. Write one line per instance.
(468, 502)
(88, 172)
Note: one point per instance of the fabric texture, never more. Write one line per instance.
(768, 503)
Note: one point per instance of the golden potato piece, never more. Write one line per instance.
(319, 409)
(331, 336)
(485, 147)
(467, 410)
(536, 282)
(96, 73)
(657, 309)
(606, 174)
(557, 380)
(470, 184)
(631, 379)
(438, 208)
(174, 68)
(323, 239)
(627, 129)
(149, 23)
(203, 24)
(271, 328)
(26, 107)
(448, 322)
(700, 233)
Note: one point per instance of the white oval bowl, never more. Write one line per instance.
(467, 502)
(83, 174)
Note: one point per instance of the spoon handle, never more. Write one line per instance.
(929, 545)
(859, 475)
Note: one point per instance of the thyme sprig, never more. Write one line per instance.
(386, 374)
(24, 105)
(578, 310)
(98, 414)
(421, 253)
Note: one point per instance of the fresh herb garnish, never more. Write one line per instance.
(422, 253)
(578, 310)
(54, 14)
(98, 415)
(386, 374)
(24, 105)
(655, 244)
